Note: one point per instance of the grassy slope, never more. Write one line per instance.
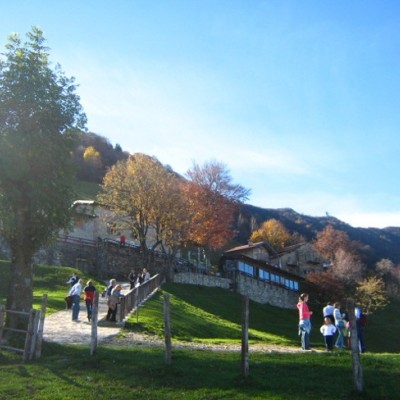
(198, 314)
(86, 190)
(211, 314)
(48, 280)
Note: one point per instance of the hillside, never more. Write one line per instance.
(381, 243)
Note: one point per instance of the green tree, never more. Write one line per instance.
(38, 104)
(371, 295)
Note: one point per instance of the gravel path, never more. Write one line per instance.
(59, 327)
(132, 339)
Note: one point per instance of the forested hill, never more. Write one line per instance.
(382, 243)
(93, 155)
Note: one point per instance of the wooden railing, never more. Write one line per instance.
(136, 296)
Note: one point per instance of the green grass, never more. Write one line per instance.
(199, 315)
(48, 280)
(66, 372)
(86, 190)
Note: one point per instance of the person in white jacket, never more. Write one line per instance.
(328, 330)
(75, 292)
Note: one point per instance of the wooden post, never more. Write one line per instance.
(95, 314)
(121, 313)
(355, 351)
(167, 330)
(137, 304)
(245, 336)
(34, 336)
(29, 334)
(39, 341)
(2, 319)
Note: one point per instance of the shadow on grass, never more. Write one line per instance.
(218, 374)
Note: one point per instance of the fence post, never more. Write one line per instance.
(2, 318)
(137, 304)
(95, 314)
(122, 308)
(39, 340)
(29, 334)
(355, 352)
(167, 329)
(245, 336)
(34, 336)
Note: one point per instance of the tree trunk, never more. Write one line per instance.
(20, 292)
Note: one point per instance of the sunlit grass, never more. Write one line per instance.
(198, 315)
(213, 315)
(49, 280)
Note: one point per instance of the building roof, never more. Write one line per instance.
(251, 245)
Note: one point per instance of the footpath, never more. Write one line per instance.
(59, 327)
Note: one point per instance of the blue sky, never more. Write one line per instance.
(300, 99)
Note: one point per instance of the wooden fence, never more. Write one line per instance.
(136, 296)
(33, 333)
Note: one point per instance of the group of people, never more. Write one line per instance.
(74, 296)
(112, 292)
(335, 324)
(114, 295)
(136, 278)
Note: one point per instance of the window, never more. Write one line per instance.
(247, 269)
(264, 275)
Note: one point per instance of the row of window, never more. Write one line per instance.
(268, 276)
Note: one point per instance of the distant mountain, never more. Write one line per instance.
(378, 243)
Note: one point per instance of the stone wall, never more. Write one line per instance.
(202, 280)
(266, 293)
(100, 258)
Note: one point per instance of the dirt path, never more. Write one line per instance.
(132, 339)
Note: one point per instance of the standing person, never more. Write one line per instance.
(73, 280)
(132, 277)
(361, 321)
(145, 275)
(112, 303)
(122, 240)
(304, 321)
(110, 287)
(340, 326)
(75, 292)
(327, 311)
(89, 291)
(328, 330)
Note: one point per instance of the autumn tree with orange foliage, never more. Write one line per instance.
(330, 240)
(145, 198)
(323, 286)
(212, 201)
(274, 232)
(346, 268)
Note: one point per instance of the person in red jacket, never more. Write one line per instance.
(304, 321)
(89, 291)
(122, 241)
